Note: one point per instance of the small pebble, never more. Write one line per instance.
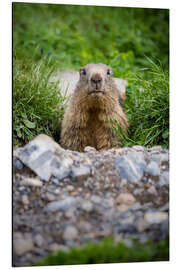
(33, 182)
(70, 188)
(39, 240)
(25, 200)
(23, 245)
(155, 217)
(70, 233)
(125, 198)
(87, 206)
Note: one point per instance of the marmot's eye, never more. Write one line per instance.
(83, 71)
(108, 72)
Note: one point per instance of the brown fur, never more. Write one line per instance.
(88, 115)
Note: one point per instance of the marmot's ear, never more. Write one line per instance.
(82, 71)
(110, 71)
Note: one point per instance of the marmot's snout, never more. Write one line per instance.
(96, 82)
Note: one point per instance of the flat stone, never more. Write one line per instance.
(90, 149)
(156, 149)
(70, 233)
(61, 173)
(160, 157)
(38, 155)
(80, 173)
(164, 178)
(33, 182)
(18, 164)
(62, 205)
(131, 166)
(23, 245)
(153, 168)
(155, 217)
(125, 198)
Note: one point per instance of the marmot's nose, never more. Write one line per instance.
(96, 79)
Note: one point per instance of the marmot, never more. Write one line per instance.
(93, 108)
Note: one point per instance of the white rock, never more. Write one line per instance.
(87, 206)
(33, 182)
(23, 245)
(142, 225)
(38, 155)
(63, 205)
(70, 188)
(155, 217)
(70, 233)
(125, 198)
(95, 199)
(39, 240)
(25, 199)
(80, 172)
(153, 168)
(90, 149)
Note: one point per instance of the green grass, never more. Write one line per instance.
(50, 37)
(107, 252)
(147, 107)
(35, 102)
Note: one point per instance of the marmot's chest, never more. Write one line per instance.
(96, 126)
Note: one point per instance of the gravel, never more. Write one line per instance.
(122, 193)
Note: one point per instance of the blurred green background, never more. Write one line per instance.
(76, 35)
(133, 41)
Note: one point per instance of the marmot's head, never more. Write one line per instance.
(94, 77)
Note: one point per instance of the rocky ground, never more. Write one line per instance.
(63, 198)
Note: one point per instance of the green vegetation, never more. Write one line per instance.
(48, 37)
(147, 107)
(35, 101)
(107, 252)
